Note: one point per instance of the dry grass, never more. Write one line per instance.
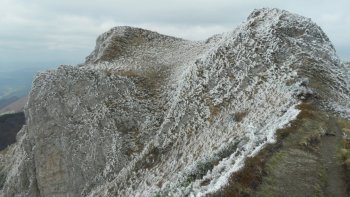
(240, 115)
(246, 181)
(214, 112)
(344, 149)
(150, 81)
(303, 133)
(125, 73)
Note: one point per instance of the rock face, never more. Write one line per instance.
(149, 114)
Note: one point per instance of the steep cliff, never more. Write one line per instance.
(149, 114)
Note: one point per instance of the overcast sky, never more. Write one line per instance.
(47, 33)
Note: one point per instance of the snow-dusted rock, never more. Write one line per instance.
(150, 114)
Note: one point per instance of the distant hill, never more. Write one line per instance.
(15, 106)
(10, 124)
(16, 83)
(6, 101)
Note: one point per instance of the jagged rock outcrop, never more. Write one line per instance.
(149, 114)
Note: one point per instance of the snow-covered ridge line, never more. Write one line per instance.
(150, 114)
(253, 146)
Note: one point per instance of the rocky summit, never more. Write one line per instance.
(154, 115)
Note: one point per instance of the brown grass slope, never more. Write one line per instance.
(303, 161)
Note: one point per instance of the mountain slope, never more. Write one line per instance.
(10, 124)
(14, 106)
(149, 114)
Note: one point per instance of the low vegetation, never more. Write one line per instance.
(294, 164)
(344, 149)
(10, 124)
(2, 179)
(2, 171)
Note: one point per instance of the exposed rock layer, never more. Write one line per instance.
(151, 114)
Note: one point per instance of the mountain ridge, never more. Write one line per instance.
(148, 114)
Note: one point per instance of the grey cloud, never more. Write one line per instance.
(66, 30)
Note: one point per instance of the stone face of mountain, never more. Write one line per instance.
(149, 114)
